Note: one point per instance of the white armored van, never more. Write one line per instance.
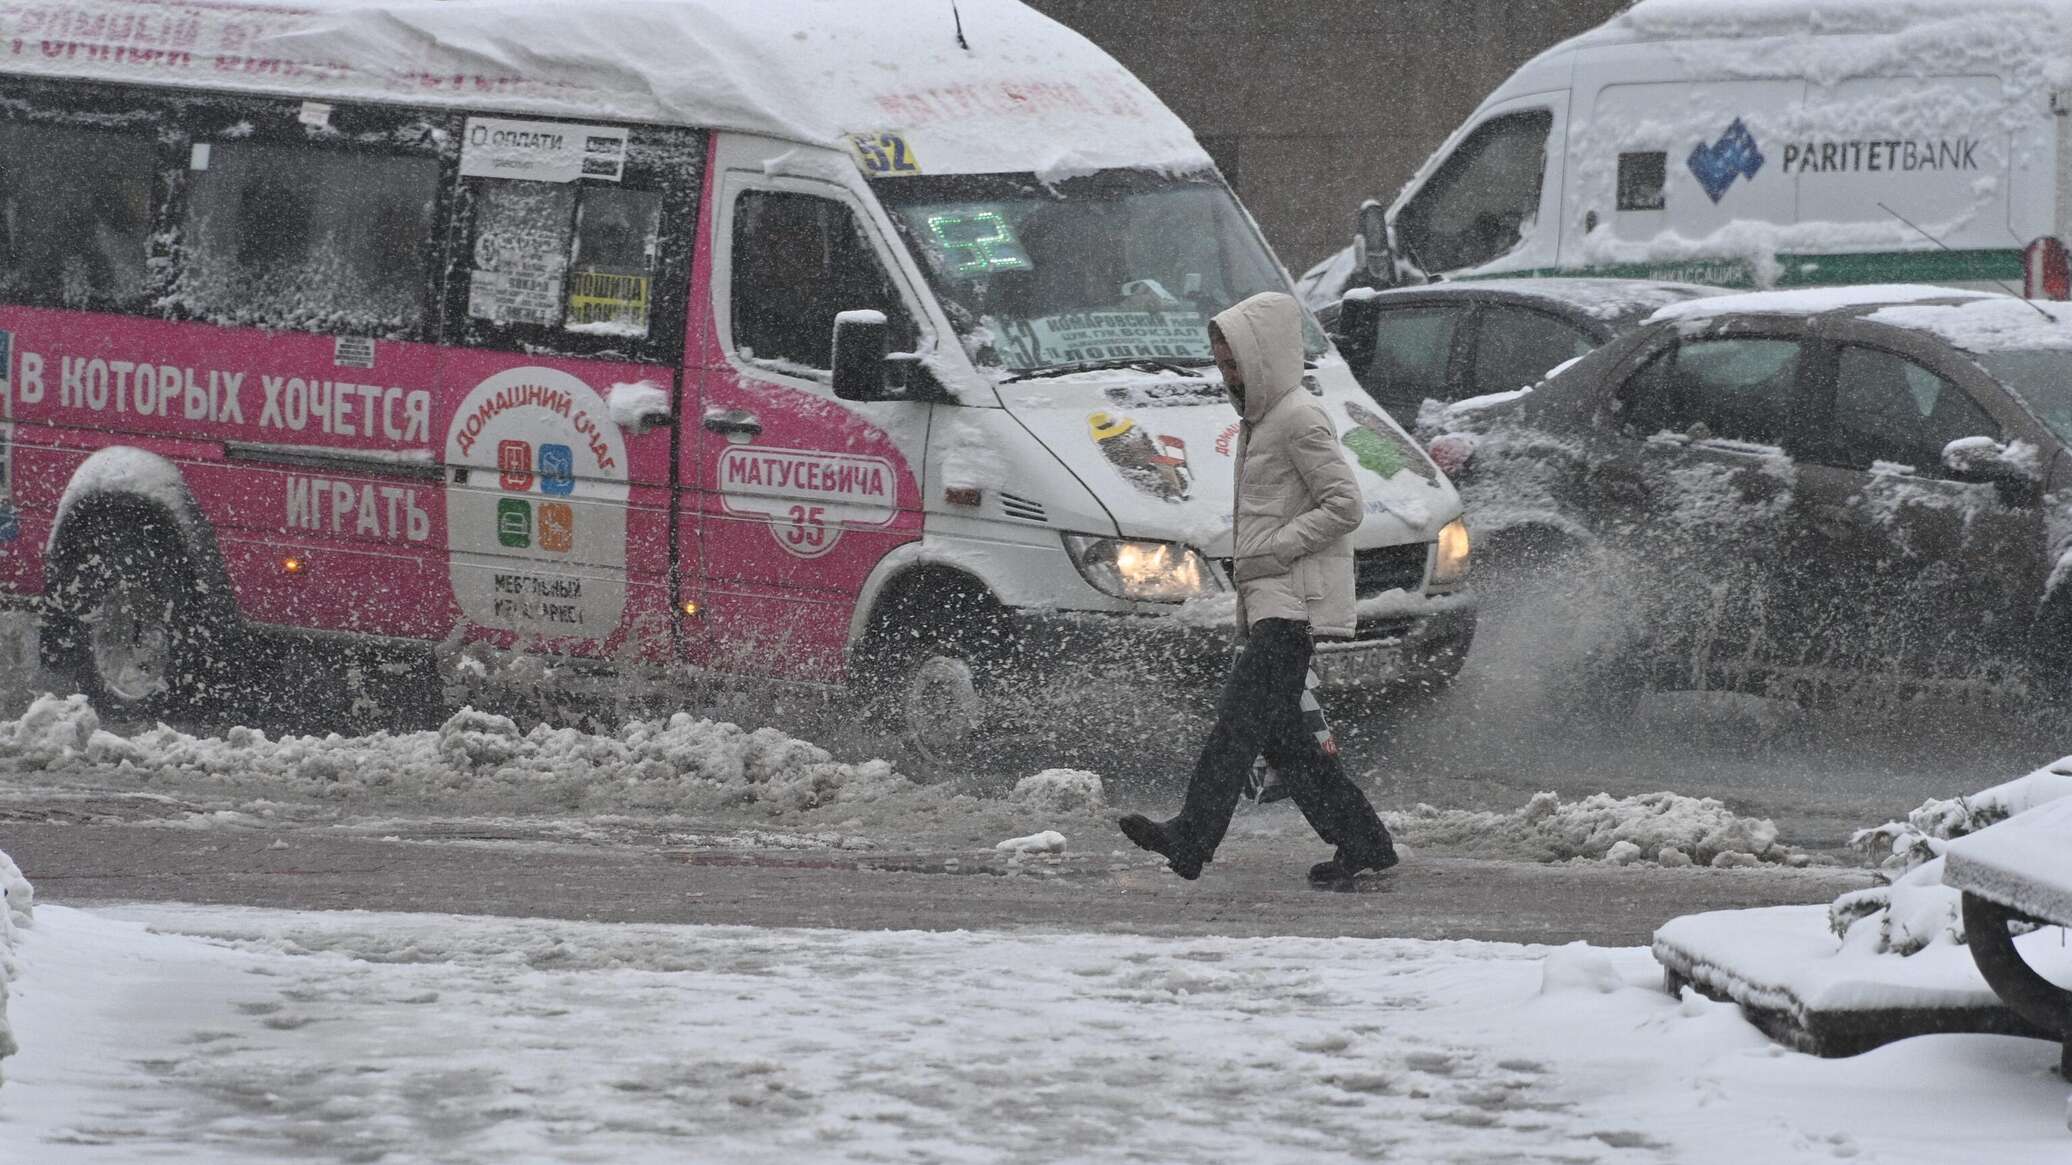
(1755, 143)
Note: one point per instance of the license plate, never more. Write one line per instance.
(1368, 667)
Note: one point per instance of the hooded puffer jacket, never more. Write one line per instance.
(1297, 500)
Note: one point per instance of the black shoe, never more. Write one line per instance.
(1154, 836)
(1343, 868)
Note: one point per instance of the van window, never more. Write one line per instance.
(580, 258)
(1732, 389)
(289, 236)
(1888, 408)
(799, 260)
(75, 215)
(1483, 198)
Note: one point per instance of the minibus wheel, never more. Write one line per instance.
(941, 711)
(932, 648)
(122, 631)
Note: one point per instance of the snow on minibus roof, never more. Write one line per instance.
(1028, 94)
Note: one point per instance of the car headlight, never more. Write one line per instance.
(1450, 564)
(1152, 572)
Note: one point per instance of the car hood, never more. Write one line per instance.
(1160, 454)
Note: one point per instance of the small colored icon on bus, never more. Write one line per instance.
(557, 527)
(514, 523)
(557, 470)
(514, 465)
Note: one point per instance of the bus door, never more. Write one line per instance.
(802, 494)
(561, 396)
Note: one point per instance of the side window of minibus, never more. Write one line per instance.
(1483, 198)
(308, 236)
(798, 261)
(76, 214)
(590, 260)
(579, 259)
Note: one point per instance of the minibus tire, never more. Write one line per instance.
(123, 626)
(933, 637)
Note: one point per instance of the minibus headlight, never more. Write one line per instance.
(1450, 561)
(1153, 572)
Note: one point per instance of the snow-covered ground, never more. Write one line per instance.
(192, 1034)
(708, 770)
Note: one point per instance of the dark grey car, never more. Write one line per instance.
(1448, 341)
(1845, 489)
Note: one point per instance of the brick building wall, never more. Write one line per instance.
(1310, 106)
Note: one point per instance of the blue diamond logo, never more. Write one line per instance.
(1734, 155)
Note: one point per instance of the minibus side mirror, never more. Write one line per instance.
(1374, 251)
(1359, 316)
(865, 371)
(859, 361)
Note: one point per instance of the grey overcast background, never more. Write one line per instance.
(1310, 106)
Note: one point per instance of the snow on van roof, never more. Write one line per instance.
(1028, 94)
(1701, 19)
(1809, 301)
(1829, 40)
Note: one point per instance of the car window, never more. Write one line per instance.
(1483, 197)
(1734, 389)
(799, 260)
(1515, 346)
(1412, 349)
(1888, 408)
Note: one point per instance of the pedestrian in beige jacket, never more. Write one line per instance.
(1297, 505)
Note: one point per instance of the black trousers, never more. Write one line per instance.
(1261, 712)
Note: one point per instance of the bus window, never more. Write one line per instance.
(521, 252)
(579, 258)
(75, 215)
(798, 261)
(617, 238)
(292, 237)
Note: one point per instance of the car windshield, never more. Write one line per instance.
(2041, 377)
(1122, 265)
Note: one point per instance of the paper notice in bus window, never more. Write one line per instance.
(542, 151)
(522, 233)
(599, 301)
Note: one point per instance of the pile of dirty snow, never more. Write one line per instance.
(1915, 911)
(1665, 828)
(15, 914)
(1060, 791)
(682, 764)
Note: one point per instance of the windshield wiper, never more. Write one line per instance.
(1139, 363)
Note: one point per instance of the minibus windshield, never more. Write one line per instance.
(1118, 266)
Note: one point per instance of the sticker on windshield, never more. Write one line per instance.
(1157, 465)
(884, 155)
(976, 242)
(1066, 339)
(1382, 451)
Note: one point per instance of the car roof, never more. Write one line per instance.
(1969, 320)
(1608, 300)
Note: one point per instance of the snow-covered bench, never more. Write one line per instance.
(2018, 871)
